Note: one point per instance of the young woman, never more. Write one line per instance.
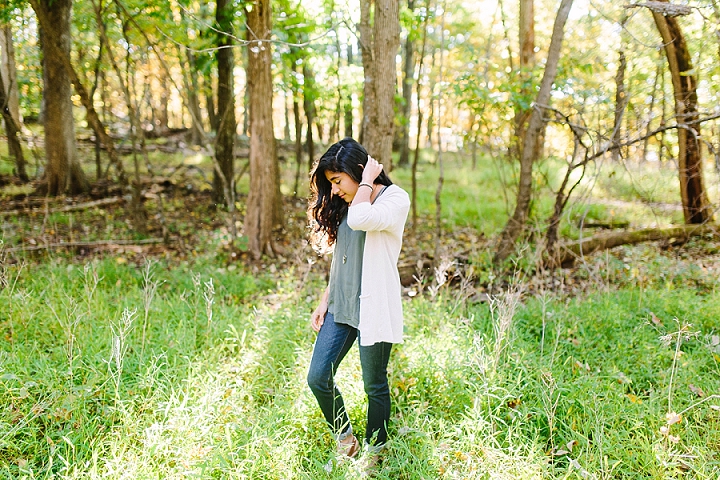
(356, 209)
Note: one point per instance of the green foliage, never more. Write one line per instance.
(213, 383)
(471, 198)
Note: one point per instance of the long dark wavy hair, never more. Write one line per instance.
(326, 211)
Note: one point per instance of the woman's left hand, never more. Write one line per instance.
(371, 171)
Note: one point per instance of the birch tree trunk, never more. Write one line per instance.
(516, 224)
(264, 204)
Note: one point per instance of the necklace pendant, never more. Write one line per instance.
(344, 258)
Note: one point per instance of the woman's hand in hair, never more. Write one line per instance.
(371, 171)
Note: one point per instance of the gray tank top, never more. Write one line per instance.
(346, 274)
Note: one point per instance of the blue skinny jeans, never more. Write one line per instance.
(332, 344)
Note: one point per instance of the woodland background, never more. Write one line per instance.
(560, 263)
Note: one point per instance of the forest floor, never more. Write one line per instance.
(171, 354)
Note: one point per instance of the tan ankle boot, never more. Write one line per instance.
(349, 447)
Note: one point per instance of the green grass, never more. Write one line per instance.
(206, 376)
(470, 198)
(581, 382)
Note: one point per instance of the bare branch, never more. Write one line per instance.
(665, 8)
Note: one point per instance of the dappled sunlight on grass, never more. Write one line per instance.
(581, 381)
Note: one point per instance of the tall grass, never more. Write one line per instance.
(205, 378)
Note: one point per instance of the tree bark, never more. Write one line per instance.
(8, 71)
(53, 46)
(210, 101)
(225, 140)
(516, 224)
(161, 124)
(63, 173)
(12, 123)
(566, 254)
(526, 32)
(264, 204)
(309, 107)
(651, 107)
(379, 45)
(408, 80)
(431, 105)
(298, 141)
(441, 168)
(620, 94)
(348, 104)
(190, 79)
(418, 94)
(684, 81)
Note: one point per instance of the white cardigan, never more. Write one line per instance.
(381, 316)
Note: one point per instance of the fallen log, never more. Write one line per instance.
(97, 243)
(566, 254)
(69, 208)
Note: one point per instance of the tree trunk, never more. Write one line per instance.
(264, 204)
(651, 107)
(684, 80)
(663, 119)
(295, 87)
(334, 135)
(309, 107)
(348, 105)
(298, 141)
(526, 32)
(163, 115)
(431, 104)
(418, 93)
(379, 45)
(287, 105)
(8, 85)
(620, 95)
(566, 254)
(408, 80)
(516, 224)
(8, 71)
(190, 79)
(441, 170)
(53, 45)
(225, 140)
(210, 101)
(246, 111)
(63, 173)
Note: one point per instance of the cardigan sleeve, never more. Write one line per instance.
(388, 212)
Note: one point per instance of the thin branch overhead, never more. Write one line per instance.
(240, 42)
